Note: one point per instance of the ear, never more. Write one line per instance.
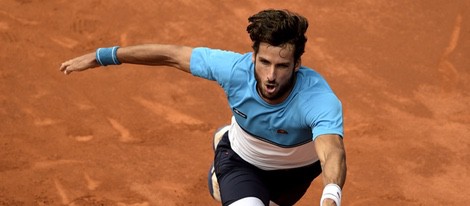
(253, 58)
(297, 65)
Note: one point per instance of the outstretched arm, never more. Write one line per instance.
(330, 150)
(147, 54)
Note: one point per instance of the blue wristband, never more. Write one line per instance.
(107, 56)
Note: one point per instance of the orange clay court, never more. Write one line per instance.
(141, 136)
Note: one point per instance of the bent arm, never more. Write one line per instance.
(146, 54)
(330, 150)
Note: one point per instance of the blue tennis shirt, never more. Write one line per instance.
(311, 109)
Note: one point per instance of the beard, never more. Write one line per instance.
(282, 89)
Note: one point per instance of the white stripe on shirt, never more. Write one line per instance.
(268, 156)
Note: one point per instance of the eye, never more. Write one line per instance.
(264, 61)
(283, 66)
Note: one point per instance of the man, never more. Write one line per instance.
(287, 124)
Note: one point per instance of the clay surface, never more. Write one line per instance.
(136, 135)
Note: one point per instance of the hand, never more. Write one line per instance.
(328, 202)
(80, 63)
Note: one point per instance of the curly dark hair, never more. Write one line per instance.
(277, 28)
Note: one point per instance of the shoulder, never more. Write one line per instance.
(206, 52)
(208, 57)
(311, 78)
(312, 83)
(314, 91)
(217, 64)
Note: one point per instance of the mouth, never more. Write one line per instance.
(270, 88)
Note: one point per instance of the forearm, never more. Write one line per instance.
(330, 150)
(149, 54)
(334, 168)
(156, 55)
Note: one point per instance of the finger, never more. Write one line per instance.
(64, 69)
(64, 66)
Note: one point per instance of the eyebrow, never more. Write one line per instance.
(287, 63)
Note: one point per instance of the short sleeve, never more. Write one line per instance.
(213, 64)
(327, 116)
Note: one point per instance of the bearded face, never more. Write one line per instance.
(275, 72)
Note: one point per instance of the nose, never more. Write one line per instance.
(271, 75)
